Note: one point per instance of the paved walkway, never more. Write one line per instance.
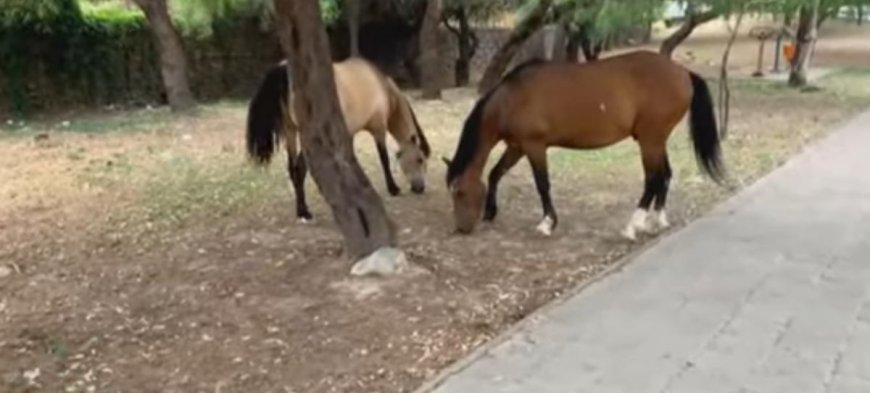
(770, 293)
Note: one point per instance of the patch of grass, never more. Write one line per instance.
(189, 189)
(125, 122)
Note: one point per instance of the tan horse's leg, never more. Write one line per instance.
(508, 159)
(657, 175)
(297, 169)
(380, 136)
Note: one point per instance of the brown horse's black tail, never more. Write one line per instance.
(266, 114)
(705, 135)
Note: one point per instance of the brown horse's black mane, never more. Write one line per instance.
(469, 139)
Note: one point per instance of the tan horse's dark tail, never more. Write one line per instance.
(704, 132)
(266, 114)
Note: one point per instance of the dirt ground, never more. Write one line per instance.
(141, 252)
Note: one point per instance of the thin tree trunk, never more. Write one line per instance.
(500, 61)
(806, 34)
(759, 64)
(353, 11)
(724, 88)
(572, 45)
(693, 20)
(173, 62)
(467, 42)
(860, 14)
(591, 48)
(356, 207)
(429, 59)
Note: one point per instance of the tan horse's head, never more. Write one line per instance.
(414, 150)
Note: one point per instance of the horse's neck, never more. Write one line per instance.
(400, 124)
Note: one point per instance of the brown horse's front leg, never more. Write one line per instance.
(392, 188)
(510, 157)
(538, 161)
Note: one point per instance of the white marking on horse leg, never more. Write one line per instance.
(546, 226)
(303, 220)
(629, 233)
(639, 220)
(636, 223)
(662, 219)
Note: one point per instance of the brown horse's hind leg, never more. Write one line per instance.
(538, 159)
(657, 176)
(510, 157)
(662, 195)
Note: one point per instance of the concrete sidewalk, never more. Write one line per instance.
(769, 293)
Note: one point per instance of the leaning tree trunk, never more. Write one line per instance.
(356, 207)
(429, 59)
(805, 36)
(353, 10)
(173, 63)
(693, 20)
(500, 61)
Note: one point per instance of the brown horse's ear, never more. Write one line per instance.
(446, 160)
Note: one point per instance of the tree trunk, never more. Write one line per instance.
(693, 20)
(467, 42)
(572, 45)
(724, 89)
(173, 63)
(353, 10)
(429, 59)
(502, 59)
(806, 34)
(860, 14)
(326, 143)
(591, 48)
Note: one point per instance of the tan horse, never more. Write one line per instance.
(369, 101)
(641, 95)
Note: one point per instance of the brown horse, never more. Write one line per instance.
(369, 101)
(539, 104)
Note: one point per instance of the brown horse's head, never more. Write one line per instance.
(467, 194)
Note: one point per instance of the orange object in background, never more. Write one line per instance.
(788, 51)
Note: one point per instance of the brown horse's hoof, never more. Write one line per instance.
(545, 227)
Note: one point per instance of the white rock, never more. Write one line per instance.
(385, 261)
(5, 271)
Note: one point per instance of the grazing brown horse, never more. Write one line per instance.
(642, 95)
(369, 101)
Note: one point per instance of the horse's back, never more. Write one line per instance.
(592, 105)
(362, 92)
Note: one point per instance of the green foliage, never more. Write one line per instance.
(198, 18)
(81, 51)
